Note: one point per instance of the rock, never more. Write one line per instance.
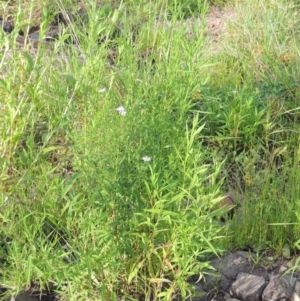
(230, 266)
(297, 287)
(283, 269)
(234, 278)
(228, 202)
(291, 280)
(296, 297)
(278, 288)
(248, 287)
(6, 26)
(262, 273)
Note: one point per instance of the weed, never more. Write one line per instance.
(116, 140)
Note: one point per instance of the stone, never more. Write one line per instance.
(262, 273)
(296, 297)
(230, 266)
(236, 277)
(248, 287)
(297, 287)
(291, 280)
(278, 288)
(6, 26)
(282, 269)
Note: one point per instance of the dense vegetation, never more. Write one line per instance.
(117, 145)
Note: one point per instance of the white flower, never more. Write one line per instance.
(146, 159)
(121, 110)
(102, 90)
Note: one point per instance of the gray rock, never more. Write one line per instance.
(230, 266)
(236, 271)
(297, 287)
(278, 288)
(262, 273)
(296, 297)
(248, 287)
(291, 280)
(6, 26)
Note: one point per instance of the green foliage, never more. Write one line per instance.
(254, 120)
(113, 152)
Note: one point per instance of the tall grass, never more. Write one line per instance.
(99, 202)
(113, 149)
(255, 120)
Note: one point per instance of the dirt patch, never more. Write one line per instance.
(216, 22)
(217, 19)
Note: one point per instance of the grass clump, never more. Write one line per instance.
(104, 191)
(116, 142)
(254, 121)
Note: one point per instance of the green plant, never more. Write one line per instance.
(114, 147)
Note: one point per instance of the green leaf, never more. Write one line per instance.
(30, 61)
(286, 251)
(51, 149)
(134, 271)
(160, 280)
